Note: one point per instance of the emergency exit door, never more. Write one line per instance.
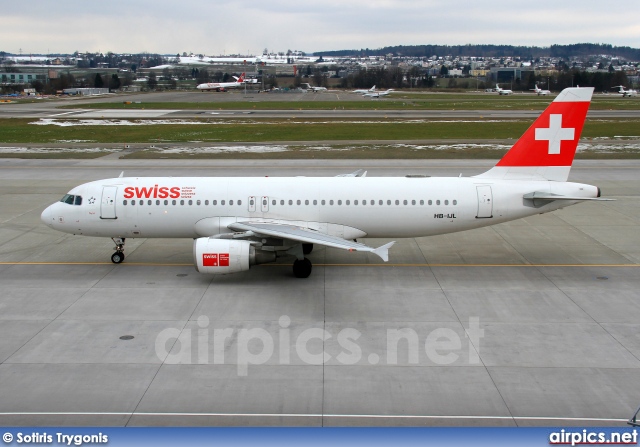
(485, 202)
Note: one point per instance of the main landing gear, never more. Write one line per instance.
(118, 256)
(301, 266)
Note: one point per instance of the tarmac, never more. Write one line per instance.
(532, 322)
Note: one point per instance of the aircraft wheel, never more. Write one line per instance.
(302, 269)
(307, 248)
(117, 257)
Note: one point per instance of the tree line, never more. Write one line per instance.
(469, 50)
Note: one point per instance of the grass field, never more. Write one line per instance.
(269, 130)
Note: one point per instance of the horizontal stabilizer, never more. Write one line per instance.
(546, 196)
(358, 173)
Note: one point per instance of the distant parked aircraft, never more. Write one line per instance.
(314, 89)
(363, 91)
(222, 86)
(502, 91)
(541, 92)
(378, 94)
(626, 93)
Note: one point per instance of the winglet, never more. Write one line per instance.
(383, 251)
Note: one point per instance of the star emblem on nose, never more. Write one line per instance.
(92, 200)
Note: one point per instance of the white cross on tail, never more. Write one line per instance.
(555, 133)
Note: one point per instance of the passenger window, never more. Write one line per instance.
(124, 202)
(173, 202)
(404, 202)
(197, 202)
(380, 202)
(141, 202)
(315, 202)
(388, 202)
(149, 202)
(157, 202)
(190, 202)
(306, 202)
(323, 202)
(355, 202)
(430, 202)
(239, 202)
(298, 202)
(339, 202)
(397, 202)
(455, 202)
(413, 202)
(166, 202)
(290, 202)
(281, 202)
(422, 202)
(206, 202)
(330, 202)
(347, 202)
(273, 202)
(230, 202)
(222, 202)
(133, 202)
(446, 202)
(437, 202)
(78, 200)
(182, 202)
(364, 202)
(252, 202)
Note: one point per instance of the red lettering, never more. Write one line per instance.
(175, 192)
(163, 192)
(128, 192)
(215, 259)
(155, 192)
(143, 192)
(210, 260)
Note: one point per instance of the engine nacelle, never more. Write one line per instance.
(222, 256)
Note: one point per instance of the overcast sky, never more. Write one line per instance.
(249, 26)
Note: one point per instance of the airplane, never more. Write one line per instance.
(314, 89)
(502, 91)
(541, 92)
(363, 91)
(378, 94)
(240, 222)
(222, 86)
(626, 93)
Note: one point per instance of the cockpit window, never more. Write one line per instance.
(68, 198)
(71, 199)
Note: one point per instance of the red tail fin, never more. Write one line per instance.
(547, 148)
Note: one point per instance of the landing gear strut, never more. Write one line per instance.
(302, 268)
(118, 256)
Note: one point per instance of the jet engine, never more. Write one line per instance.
(221, 256)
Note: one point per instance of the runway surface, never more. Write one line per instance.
(554, 297)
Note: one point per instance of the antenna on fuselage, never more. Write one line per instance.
(121, 174)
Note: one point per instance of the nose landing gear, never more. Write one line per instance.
(118, 256)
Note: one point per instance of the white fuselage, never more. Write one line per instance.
(348, 207)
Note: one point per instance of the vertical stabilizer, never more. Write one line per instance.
(546, 150)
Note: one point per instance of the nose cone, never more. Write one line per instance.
(47, 216)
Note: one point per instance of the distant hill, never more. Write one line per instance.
(525, 52)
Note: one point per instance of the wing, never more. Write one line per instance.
(307, 235)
